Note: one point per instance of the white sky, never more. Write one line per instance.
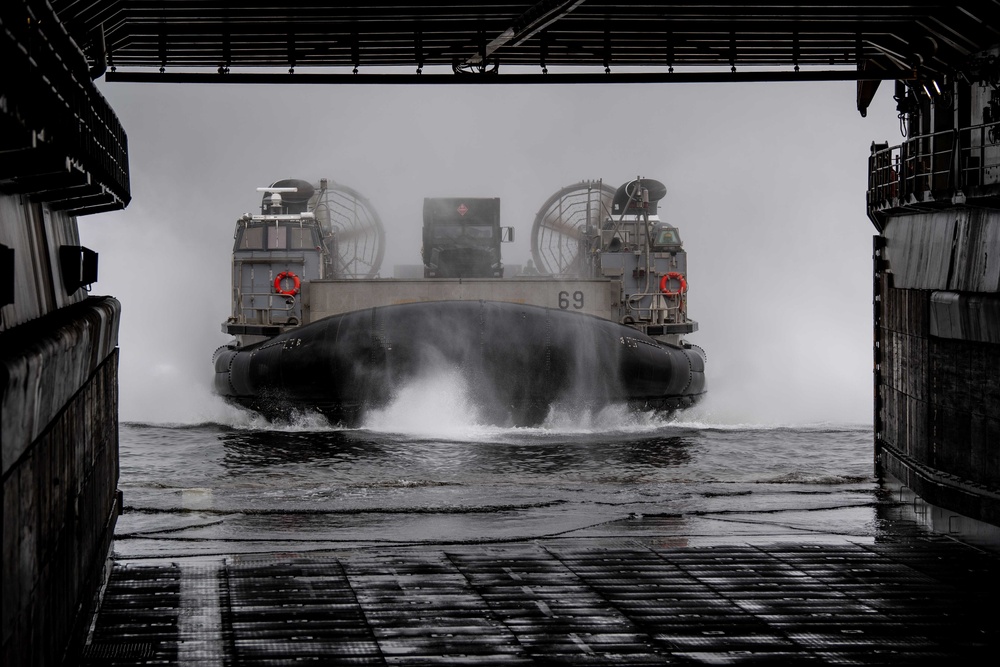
(765, 181)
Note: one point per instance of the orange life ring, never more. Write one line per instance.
(295, 287)
(680, 278)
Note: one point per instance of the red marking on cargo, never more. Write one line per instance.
(462, 209)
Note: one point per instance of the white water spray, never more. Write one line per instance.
(438, 405)
(435, 405)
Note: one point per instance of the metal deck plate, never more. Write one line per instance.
(925, 600)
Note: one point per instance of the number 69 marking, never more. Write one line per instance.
(564, 302)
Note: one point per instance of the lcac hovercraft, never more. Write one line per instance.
(599, 318)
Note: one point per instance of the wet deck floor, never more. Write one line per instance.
(922, 600)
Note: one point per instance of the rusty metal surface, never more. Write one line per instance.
(916, 600)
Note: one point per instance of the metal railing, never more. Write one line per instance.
(260, 308)
(661, 309)
(925, 167)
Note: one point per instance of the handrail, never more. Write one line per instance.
(287, 301)
(951, 161)
(669, 310)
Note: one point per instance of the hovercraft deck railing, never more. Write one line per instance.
(266, 308)
(935, 170)
(662, 310)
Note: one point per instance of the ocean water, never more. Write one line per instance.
(424, 472)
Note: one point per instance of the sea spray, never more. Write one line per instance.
(434, 404)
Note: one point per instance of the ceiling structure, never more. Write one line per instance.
(60, 141)
(206, 40)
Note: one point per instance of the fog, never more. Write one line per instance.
(766, 183)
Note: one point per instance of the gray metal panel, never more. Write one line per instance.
(919, 248)
(641, 289)
(954, 249)
(991, 243)
(255, 301)
(60, 230)
(945, 313)
(592, 297)
(977, 265)
(36, 234)
(31, 300)
(624, 263)
(965, 317)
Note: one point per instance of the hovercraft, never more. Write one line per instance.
(597, 316)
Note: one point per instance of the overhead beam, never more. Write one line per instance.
(551, 78)
(404, 33)
(526, 26)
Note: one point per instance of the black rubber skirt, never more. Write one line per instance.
(517, 361)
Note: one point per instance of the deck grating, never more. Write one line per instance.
(921, 602)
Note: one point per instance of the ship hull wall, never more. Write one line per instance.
(60, 472)
(938, 355)
(58, 437)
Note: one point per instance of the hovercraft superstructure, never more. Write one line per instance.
(304, 232)
(598, 319)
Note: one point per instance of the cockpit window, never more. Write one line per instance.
(277, 237)
(479, 232)
(252, 239)
(667, 237)
(469, 231)
(447, 231)
(302, 239)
